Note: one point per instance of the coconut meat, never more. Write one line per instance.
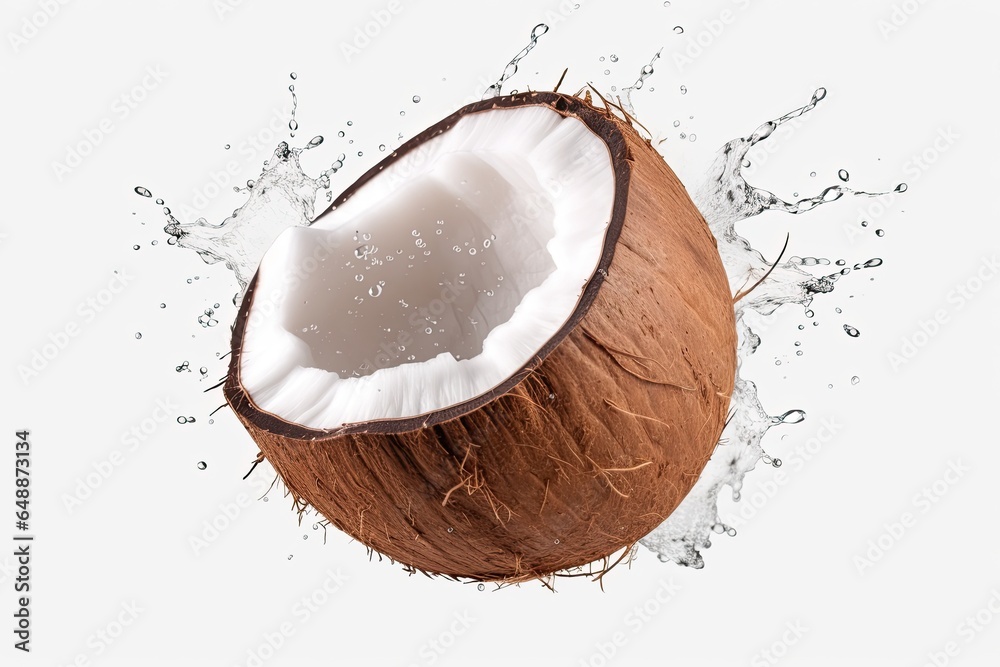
(438, 279)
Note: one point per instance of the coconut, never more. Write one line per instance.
(506, 351)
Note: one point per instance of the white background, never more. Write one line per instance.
(794, 560)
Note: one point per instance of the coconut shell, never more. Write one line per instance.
(586, 449)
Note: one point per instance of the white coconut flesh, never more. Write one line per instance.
(439, 279)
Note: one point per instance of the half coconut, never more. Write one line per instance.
(505, 351)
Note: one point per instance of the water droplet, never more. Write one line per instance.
(843, 175)
(163, 305)
(135, 247)
(375, 290)
(776, 463)
(684, 90)
(139, 190)
(812, 174)
(182, 420)
(614, 58)
(880, 233)
(790, 417)
(416, 99)
(202, 465)
(226, 147)
(679, 30)
(902, 187)
(855, 380)
(481, 587)
(450, 529)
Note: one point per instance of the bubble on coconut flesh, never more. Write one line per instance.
(284, 196)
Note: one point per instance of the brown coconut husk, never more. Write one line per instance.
(581, 453)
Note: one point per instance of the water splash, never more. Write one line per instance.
(726, 199)
(282, 197)
(644, 73)
(511, 68)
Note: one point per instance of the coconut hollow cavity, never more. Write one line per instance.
(547, 420)
(435, 282)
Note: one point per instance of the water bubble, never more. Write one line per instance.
(607, 71)
(375, 290)
(614, 58)
(679, 30)
(880, 233)
(812, 174)
(684, 90)
(855, 380)
(138, 335)
(163, 305)
(851, 331)
(226, 147)
(843, 175)
(864, 223)
(135, 247)
(203, 370)
(416, 99)
(776, 463)
(428, 330)
(481, 587)
(359, 278)
(902, 187)
(202, 465)
(450, 529)
(139, 190)
(872, 263)
(692, 137)
(182, 420)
